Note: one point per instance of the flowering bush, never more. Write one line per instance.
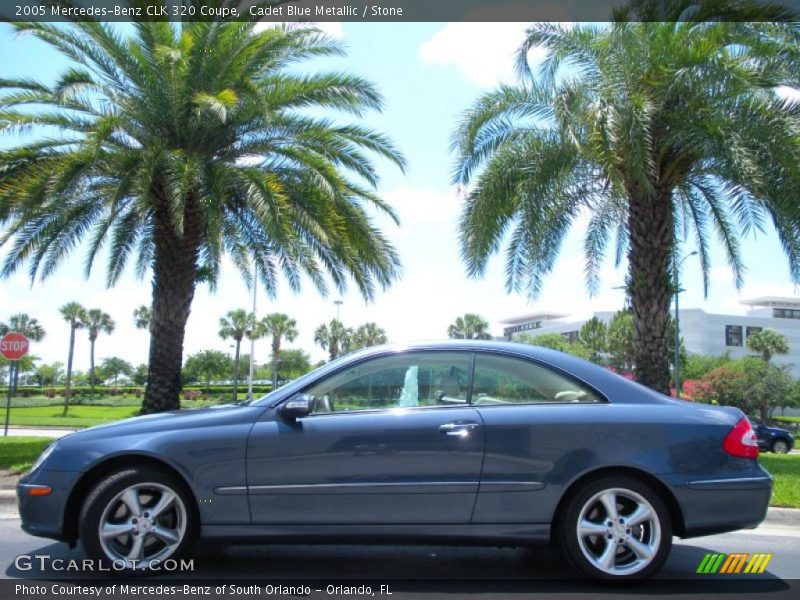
(696, 389)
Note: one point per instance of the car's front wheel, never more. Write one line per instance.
(616, 528)
(136, 518)
(780, 446)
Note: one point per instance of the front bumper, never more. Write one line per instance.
(43, 516)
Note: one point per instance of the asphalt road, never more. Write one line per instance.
(446, 568)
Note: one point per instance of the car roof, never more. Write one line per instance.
(614, 387)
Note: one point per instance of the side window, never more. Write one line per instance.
(506, 380)
(401, 381)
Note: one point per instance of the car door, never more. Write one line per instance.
(541, 426)
(392, 439)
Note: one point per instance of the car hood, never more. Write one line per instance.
(166, 421)
(779, 430)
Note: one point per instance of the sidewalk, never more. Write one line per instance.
(53, 432)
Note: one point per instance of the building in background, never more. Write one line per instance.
(702, 332)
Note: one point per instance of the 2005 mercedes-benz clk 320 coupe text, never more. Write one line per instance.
(469, 442)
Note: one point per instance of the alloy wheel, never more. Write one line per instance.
(618, 531)
(143, 523)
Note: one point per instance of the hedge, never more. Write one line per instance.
(26, 391)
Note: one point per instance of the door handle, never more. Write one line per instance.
(458, 428)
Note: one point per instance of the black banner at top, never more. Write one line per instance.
(396, 10)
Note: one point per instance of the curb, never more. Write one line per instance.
(8, 502)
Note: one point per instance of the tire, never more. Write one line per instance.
(779, 446)
(636, 552)
(143, 537)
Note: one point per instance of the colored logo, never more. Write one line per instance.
(737, 562)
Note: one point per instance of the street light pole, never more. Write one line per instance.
(338, 304)
(252, 336)
(676, 265)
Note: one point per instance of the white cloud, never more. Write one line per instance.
(788, 93)
(484, 53)
(424, 205)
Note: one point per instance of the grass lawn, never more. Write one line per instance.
(78, 416)
(18, 453)
(786, 470)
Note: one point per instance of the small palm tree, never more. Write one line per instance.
(96, 322)
(333, 337)
(183, 142)
(74, 314)
(662, 125)
(279, 326)
(30, 328)
(367, 335)
(235, 325)
(469, 327)
(142, 315)
(768, 343)
(22, 323)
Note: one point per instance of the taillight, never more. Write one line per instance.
(741, 441)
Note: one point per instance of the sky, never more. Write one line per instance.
(428, 73)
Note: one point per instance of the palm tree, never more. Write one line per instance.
(333, 337)
(469, 327)
(186, 141)
(280, 327)
(367, 335)
(768, 343)
(235, 325)
(96, 322)
(24, 324)
(74, 314)
(30, 328)
(142, 315)
(661, 129)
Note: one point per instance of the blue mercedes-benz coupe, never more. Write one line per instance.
(451, 442)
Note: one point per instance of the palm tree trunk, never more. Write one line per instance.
(174, 278)
(91, 369)
(236, 372)
(651, 227)
(276, 349)
(68, 386)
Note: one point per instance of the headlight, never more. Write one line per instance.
(43, 456)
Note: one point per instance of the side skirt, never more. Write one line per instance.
(478, 534)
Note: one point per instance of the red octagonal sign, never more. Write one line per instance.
(14, 345)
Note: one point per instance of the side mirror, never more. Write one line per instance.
(295, 407)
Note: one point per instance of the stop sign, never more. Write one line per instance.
(14, 345)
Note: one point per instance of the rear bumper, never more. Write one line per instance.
(718, 505)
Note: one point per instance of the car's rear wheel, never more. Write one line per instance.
(780, 446)
(616, 528)
(136, 518)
